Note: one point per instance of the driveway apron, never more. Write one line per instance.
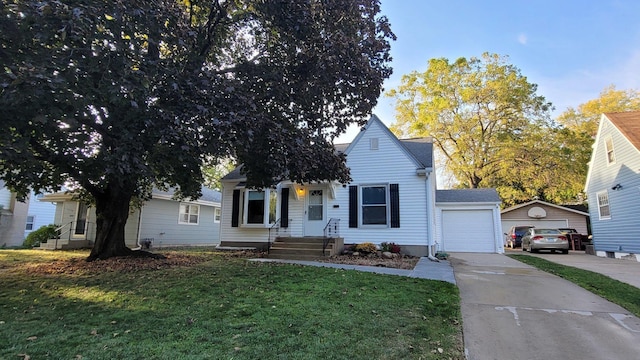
(511, 310)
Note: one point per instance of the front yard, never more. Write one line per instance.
(203, 304)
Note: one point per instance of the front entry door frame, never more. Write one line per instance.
(315, 210)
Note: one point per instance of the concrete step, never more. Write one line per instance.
(294, 257)
(297, 251)
(304, 239)
(285, 245)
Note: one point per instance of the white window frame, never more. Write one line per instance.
(32, 223)
(609, 150)
(266, 220)
(189, 208)
(217, 214)
(603, 195)
(361, 206)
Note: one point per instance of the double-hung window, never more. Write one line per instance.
(603, 205)
(189, 214)
(30, 222)
(608, 144)
(375, 205)
(217, 213)
(260, 206)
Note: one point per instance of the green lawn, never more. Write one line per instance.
(613, 290)
(221, 308)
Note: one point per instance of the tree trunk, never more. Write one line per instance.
(112, 211)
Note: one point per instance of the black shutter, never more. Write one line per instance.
(395, 205)
(353, 206)
(284, 208)
(235, 208)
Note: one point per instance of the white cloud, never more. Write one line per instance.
(522, 39)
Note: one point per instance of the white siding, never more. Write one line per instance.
(159, 221)
(257, 234)
(389, 164)
(43, 213)
(621, 232)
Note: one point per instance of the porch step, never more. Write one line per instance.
(301, 248)
(65, 244)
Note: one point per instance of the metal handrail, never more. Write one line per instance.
(69, 231)
(331, 230)
(276, 225)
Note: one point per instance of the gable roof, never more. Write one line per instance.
(570, 208)
(468, 196)
(419, 150)
(629, 125)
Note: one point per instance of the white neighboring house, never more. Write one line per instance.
(18, 219)
(40, 213)
(392, 198)
(162, 221)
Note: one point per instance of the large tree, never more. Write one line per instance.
(119, 96)
(479, 111)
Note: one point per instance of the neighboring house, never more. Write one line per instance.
(40, 213)
(162, 221)
(18, 219)
(13, 217)
(542, 214)
(468, 220)
(613, 186)
(392, 198)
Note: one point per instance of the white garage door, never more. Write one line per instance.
(468, 231)
(552, 224)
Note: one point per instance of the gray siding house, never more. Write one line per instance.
(613, 186)
(162, 221)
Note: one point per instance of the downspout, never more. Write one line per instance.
(429, 204)
(139, 226)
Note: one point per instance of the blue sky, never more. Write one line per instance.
(572, 49)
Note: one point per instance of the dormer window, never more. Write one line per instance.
(608, 144)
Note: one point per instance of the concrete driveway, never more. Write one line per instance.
(627, 271)
(513, 311)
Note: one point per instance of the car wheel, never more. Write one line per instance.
(565, 251)
(534, 250)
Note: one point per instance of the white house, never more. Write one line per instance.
(392, 198)
(613, 186)
(162, 221)
(18, 219)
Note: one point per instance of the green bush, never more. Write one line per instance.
(36, 237)
(366, 248)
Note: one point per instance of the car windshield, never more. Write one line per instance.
(547, 231)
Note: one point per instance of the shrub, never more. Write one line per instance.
(366, 248)
(36, 237)
(390, 247)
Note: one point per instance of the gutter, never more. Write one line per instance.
(427, 173)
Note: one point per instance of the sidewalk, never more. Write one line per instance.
(424, 269)
(627, 271)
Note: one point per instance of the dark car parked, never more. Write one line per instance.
(514, 236)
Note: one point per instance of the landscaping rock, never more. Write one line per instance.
(387, 255)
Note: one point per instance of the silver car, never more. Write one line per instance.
(536, 239)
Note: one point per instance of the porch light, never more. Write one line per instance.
(300, 191)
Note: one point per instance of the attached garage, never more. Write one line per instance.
(469, 221)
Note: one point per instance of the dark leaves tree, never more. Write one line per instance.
(117, 97)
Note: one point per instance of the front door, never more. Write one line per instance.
(81, 220)
(315, 212)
